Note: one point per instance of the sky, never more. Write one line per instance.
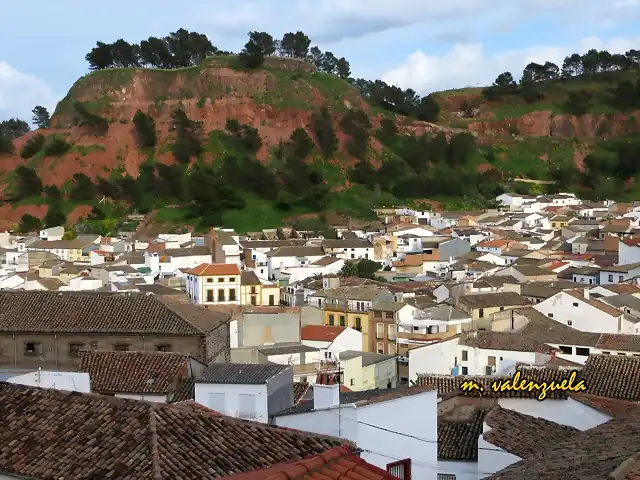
(421, 44)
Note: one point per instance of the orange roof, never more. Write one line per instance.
(339, 463)
(321, 333)
(632, 242)
(213, 269)
(494, 243)
(553, 265)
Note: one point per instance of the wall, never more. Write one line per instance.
(437, 358)
(583, 317)
(231, 392)
(567, 412)
(261, 328)
(491, 458)
(55, 348)
(280, 392)
(218, 344)
(146, 398)
(617, 276)
(627, 254)
(70, 381)
(505, 360)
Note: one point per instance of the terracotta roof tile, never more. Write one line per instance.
(157, 373)
(74, 312)
(613, 376)
(93, 436)
(524, 435)
(504, 341)
(458, 440)
(212, 269)
(321, 333)
(336, 464)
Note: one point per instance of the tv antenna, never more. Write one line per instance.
(103, 199)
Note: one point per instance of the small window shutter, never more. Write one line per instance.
(247, 405)
(217, 402)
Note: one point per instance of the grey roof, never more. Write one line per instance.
(240, 373)
(443, 312)
(296, 252)
(286, 348)
(496, 299)
(387, 306)
(253, 244)
(623, 300)
(368, 358)
(186, 252)
(347, 243)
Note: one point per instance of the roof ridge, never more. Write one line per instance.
(156, 471)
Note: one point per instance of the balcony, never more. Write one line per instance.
(424, 336)
(322, 366)
(334, 307)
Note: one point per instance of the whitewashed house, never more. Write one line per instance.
(52, 233)
(349, 249)
(390, 427)
(280, 259)
(580, 311)
(330, 341)
(69, 381)
(250, 391)
(628, 251)
(619, 273)
(477, 353)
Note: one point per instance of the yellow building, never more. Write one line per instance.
(69, 250)
(349, 307)
(559, 221)
(253, 292)
(213, 284)
(481, 307)
(368, 371)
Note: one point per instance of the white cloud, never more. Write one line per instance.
(469, 65)
(20, 92)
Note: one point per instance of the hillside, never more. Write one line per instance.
(491, 138)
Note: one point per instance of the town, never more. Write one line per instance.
(284, 352)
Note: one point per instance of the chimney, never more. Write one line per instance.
(586, 293)
(326, 396)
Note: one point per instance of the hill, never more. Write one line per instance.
(282, 142)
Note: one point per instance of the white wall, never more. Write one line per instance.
(607, 278)
(231, 398)
(491, 458)
(583, 317)
(146, 398)
(436, 358)
(383, 430)
(627, 254)
(70, 381)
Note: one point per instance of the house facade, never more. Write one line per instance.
(214, 284)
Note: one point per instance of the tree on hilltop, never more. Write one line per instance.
(100, 57)
(258, 46)
(295, 45)
(343, 69)
(41, 116)
(14, 128)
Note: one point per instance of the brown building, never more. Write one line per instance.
(383, 321)
(49, 329)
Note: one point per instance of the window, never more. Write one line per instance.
(392, 348)
(379, 330)
(388, 315)
(622, 354)
(550, 315)
(400, 469)
(232, 279)
(491, 361)
(481, 313)
(584, 352)
(32, 349)
(569, 322)
(566, 350)
(358, 324)
(606, 353)
(465, 355)
(465, 371)
(246, 405)
(331, 320)
(342, 321)
(446, 476)
(272, 300)
(621, 278)
(502, 309)
(121, 347)
(210, 296)
(391, 332)
(380, 347)
(217, 402)
(488, 370)
(611, 278)
(74, 349)
(165, 347)
(221, 295)
(220, 279)
(209, 280)
(351, 382)
(232, 294)
(253, 289)
(253, 300)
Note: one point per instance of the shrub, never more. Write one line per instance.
(29, 223)
(322, 127)
(56, 145)
(145, 129)
(6, 145)
(33, 146)
(95, 123)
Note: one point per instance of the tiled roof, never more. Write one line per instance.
(296, 252)
(240, 373)
(299, 390)
(183, 392)
(523, 435)
(324, 261)
(504, 341)
(75, 312)
(363, 292)
(255, 244)
(613, 376)
(347, 243)
(458, 440)
(212, 269)
(622, 268)
(94, 436)
(156, 373)
(622, 288)
(321, 333)
(589, 455)
(249, 277)
(335, 464)
(603, 307)
(497, 299)
(368, 358)
(545, 289)
(544, 329)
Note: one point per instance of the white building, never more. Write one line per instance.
(619, 273)
(330, 341)
(390, 427)
(70, 381)
(52, 233)
(249, 391)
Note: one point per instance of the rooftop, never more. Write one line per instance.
(95, 436)
(368, 358)
(241, 373)
(134, 372)
(321, 333)
(495, 299)
(213, 269)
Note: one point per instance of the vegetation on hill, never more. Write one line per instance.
(282, 131)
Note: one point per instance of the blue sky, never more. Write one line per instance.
(421, 44)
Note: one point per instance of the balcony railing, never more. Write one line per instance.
(344, 308)
(425, 336)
